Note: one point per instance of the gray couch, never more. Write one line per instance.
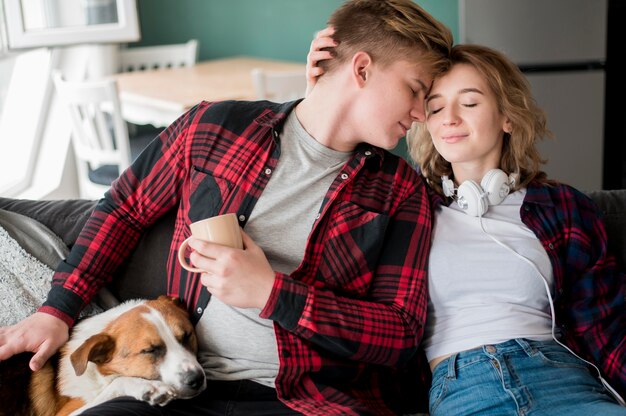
(47, 229)
(36, 225)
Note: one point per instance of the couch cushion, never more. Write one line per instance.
(34, 237)
(64, 218)
(143, 275)
(613, 205)
(29, 253)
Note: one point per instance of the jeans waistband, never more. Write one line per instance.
(488, 351)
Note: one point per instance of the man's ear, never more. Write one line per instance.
(361, 67)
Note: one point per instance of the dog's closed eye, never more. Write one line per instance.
(154, 350)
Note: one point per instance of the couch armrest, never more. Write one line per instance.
(34, 237)
(143, 274)
(65, 218)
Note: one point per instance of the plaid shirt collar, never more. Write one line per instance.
(275, 119)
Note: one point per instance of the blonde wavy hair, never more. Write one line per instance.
(514, 99)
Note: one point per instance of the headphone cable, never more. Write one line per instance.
(619, 398)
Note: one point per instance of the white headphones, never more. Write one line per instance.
(474, 199)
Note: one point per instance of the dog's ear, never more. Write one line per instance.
(97, 349)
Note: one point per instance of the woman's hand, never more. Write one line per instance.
(323, 39)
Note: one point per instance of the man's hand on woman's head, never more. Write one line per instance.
(323, 39)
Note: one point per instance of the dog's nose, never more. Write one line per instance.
(194, 379)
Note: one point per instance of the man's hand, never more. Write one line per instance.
(40, 333)
(323, 39)
(241, 278)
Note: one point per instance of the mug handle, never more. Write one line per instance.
(183, 261)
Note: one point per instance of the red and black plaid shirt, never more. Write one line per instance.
(347, 318)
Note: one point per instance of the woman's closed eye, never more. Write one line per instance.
(434, 110)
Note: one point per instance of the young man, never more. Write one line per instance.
(319, 310)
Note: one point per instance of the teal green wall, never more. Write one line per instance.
(280, 29)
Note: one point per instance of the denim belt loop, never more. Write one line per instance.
(452, 366)
(526, 346)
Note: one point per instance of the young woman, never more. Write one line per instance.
(526, 306)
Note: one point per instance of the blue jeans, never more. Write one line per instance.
(518, 377)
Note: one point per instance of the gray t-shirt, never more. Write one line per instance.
(235, 343)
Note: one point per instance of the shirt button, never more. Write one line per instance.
(275, 133)
(368, 153)
(199, 310)
(268, 171)
(344, 176)
(242, 218)
(551, 246)
(526, 208)
(317, 217)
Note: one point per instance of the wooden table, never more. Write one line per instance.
(158, 97)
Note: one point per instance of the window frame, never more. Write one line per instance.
(28, 152)
(125, 30)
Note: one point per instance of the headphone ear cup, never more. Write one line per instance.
(447, 186)
(470, 198)
(496, 184)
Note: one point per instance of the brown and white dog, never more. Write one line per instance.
(145, 349)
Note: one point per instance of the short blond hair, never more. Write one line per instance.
(389, 31)
(514, 100)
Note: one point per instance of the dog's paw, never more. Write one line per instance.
(157, 393)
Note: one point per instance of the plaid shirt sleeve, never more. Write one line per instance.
(590, 290)
(143, 192)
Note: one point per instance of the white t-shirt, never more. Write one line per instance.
(479, 292)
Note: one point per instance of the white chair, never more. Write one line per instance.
(100, 137)
(279, 86)
(145, 58)
(162, 56)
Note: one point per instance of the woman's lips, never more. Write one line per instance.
(453, 138)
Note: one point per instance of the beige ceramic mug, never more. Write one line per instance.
(222, 229)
